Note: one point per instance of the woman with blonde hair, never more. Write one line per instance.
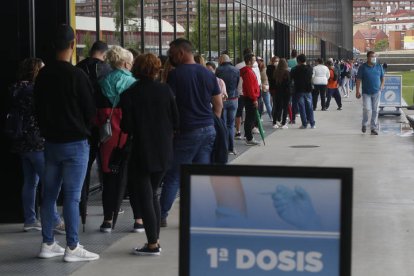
(113, 85)
(150, 115)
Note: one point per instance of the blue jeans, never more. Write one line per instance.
(189, 147)
(305, 108)
(370, 102)
(266, 100)
(65, 168)
(229, 115)
(33, 164)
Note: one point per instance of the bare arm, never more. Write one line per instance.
(382, 83)
(217, 102)
(229, 193)
(358, 85)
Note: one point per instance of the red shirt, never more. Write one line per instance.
(331, 82)
(250, 83)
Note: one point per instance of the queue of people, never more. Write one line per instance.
(161, 115)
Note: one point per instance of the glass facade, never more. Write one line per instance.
(214, 26)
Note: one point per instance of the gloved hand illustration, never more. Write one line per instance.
(295, 207)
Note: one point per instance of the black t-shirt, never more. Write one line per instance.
(301, 75)
(64, 102)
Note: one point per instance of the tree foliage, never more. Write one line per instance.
(381, 45)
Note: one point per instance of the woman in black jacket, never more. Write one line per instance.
(150, 116)
(282, 94)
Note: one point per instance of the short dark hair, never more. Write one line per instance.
(248, 57)
(212, 64)
(370, 53)
(319, 60)
(98, 46)
(294, 53)
(247, 51)
(301, 58)
(182, 43)
(134, 52)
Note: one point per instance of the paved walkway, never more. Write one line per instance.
(383, 221)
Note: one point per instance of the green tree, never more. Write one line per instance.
(381, 45)
(87, 40)
(204, 35)
(131, 9)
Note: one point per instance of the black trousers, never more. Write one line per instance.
(250, 119)
(281, 102)
(93, 155)
(334, 92)
(109, 194)
(147, 186)
(319, 90)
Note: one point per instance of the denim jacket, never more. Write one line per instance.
(230, 75)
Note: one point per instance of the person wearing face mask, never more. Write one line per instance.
(371, 75)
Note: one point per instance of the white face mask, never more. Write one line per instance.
(276, 63)
(373, 60)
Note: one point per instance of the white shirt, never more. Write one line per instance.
(320, 75)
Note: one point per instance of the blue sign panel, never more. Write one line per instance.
(264, 225)
(392, 92)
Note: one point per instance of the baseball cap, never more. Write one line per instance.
(63, 36)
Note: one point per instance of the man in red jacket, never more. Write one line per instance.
(251, 92)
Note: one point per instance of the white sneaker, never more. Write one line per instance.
(79, 254)
(284, 127)
(50, 251)
(255, 130)
(275, 126)
(313, 127)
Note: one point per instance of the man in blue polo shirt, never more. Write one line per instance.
(372, 76)
(198, 96)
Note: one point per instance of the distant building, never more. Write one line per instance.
(86, 31)
(364, 40)
(369, 9)
(399, 20)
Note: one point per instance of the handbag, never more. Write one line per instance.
(105, 131)
(118, 156)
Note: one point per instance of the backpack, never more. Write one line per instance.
(14, 125)
(335, 75)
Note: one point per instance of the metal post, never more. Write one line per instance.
(122, 14)
(175, 18)
(188, 20)
(227, 26)
(98, 19)
(209, 28)
(159, 29)
(218, 27)
(142, 28)
(199, 26)
(32, 28)
(234, 32)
